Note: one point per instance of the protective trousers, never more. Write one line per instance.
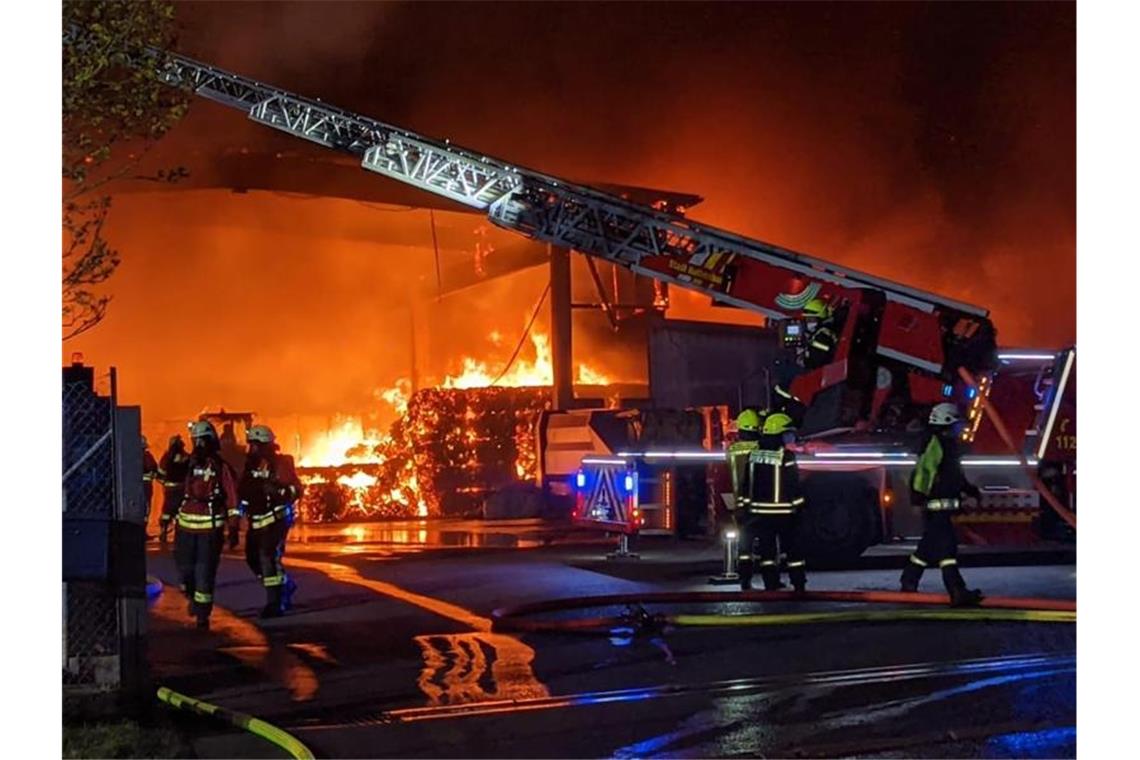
(197, 553)
(761, 538)
(938, 544)
(939, 547)
(264, 549)
(171, 499)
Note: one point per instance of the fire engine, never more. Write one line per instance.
(857, 485)
(898, 349)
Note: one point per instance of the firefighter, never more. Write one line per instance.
(772, 508)
(939, 483)
(268, 488)
(823, 339)
(150, 470)
(210, 502)
(788, 403)
(172, 469)
(748, 424)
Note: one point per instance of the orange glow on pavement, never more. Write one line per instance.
(455, 665)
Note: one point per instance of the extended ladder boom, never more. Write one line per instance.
(654, 242)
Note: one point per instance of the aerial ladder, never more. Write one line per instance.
(898, 347)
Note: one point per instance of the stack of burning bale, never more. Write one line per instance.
(468, 443)
(442, 458)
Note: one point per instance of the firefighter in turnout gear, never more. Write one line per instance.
(172, 469)
(772, 507)
(788, 403)
(823, 339)
(748, 424)
(150, 471)
(269, 486)
(939, 483)
(210, 502)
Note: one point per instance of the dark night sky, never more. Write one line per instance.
(931, 143)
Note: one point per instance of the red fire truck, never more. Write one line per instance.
(857, 486)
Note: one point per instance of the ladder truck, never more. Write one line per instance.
(898, 350)
(897, 346)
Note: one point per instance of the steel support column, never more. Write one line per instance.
(561, 345)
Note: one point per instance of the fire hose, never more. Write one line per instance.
(1008, 609)
(1064, 513)
(255, 726)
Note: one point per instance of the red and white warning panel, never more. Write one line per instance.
(606, 491)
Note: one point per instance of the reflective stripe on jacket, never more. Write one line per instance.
(737, 456)
(938, 478)
(773, 478)
(269, 485)
(211, 494)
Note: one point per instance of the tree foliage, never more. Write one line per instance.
(113, 112)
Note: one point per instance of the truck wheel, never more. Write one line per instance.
(841, 518)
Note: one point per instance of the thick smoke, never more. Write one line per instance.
(930, 143)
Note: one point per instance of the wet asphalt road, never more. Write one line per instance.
(391, 654)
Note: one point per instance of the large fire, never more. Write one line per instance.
(523, 373)
(450, 446)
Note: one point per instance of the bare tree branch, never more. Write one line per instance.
(107, 105)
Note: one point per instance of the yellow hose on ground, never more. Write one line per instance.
(255, 726)
(872, 616)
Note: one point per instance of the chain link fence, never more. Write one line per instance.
(91, 610)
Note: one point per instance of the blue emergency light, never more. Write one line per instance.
(947, 390)
(629, 484)
(580, 480)
(971, 392)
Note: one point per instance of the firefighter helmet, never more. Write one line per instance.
(818, 308)
(203, 429)
(944, 414)
(748, 421)
(777, 423)
(259, 434)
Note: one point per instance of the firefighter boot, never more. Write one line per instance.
(191, 607)
(744, 568)
(798, 576)
(960, 596)
(204, 616)
(771, 576)
(272, 607)
(911, 575)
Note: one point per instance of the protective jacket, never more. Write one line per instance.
(172, 468)
(150, 467)
(821, 345)
(938, 479)
(773, 479)
(737, 456)
(269, 486)
(211, 494)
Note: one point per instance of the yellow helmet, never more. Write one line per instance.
(260, 434)
(777, 423)
(818, 308)
(748, 421)
(202, 429)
